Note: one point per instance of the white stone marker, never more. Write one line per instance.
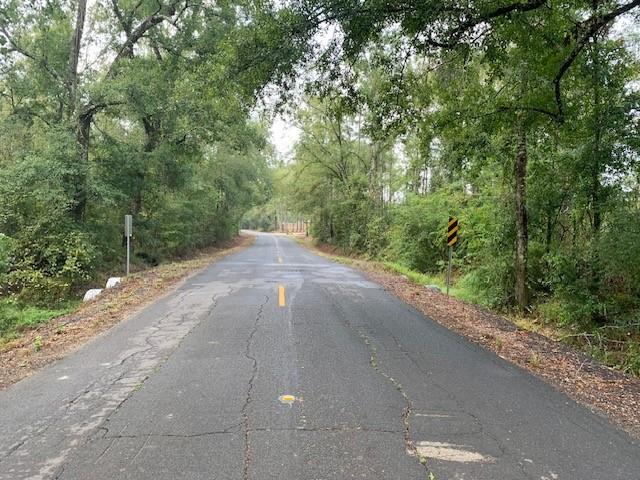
(91, 294)
(113, 281)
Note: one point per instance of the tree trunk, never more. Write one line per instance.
(152, 133)
(74, 56)
(597, 141)
(79, 176)
(82, 120)
(522, 234)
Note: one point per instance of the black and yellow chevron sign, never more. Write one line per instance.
(452, 231)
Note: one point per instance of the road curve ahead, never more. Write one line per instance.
(275, 363)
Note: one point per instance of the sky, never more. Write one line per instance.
(284, 135)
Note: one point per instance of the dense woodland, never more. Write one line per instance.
(519, 117)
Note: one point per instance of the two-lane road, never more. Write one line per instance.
(275, 363)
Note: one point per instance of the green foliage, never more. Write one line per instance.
(160, 131)
(398, 134)
(16, 317)
(44, 268)
(618, 248)
(261, 218)
(6, 249)
(418, 229)
(414, 114)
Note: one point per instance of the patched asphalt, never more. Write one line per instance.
(192, 388)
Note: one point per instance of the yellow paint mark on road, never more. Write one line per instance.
(288, 399)
(281, 300)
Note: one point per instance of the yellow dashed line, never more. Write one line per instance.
(281, 301)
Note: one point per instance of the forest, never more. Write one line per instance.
(518, 117)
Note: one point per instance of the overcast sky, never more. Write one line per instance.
(284, 135)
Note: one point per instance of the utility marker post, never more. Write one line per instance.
(449, 269)
(128, 232)
(452, 240)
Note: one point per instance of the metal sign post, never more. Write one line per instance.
(128, 232)
(452, 240)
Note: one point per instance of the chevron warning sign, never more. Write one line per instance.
(452, 232)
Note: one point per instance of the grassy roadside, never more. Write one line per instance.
(41, 336)
(602, 389)
(615, 346)
(16, 318)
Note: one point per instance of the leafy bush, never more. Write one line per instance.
(33, 287)
(491, 284)
(417, 236)
(618, 250)
(44, 269)
(6, 248)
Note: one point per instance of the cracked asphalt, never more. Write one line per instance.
(192, 388)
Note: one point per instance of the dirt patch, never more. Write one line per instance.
(56, 339)
(602, 389)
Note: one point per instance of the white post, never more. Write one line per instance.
(128, 232)
(449, 269)
(128, 249)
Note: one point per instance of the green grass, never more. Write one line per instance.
(15, 317)
(438, 280)
(418, 278)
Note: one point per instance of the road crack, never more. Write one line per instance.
(405, 415)
(249, 398)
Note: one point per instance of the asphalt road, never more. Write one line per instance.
(198, 386)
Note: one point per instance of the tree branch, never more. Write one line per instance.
(590, 28)
(42, 61)
(136, 34)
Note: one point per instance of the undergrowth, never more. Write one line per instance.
(16, 317)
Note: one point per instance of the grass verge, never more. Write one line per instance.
(16, 318)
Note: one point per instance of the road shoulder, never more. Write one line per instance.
(58, 338)
(603, 390)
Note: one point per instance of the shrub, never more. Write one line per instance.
(418, 230)
(44, 269)
(6, 249)
(34, 288)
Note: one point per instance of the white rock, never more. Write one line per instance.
(91, 294)
(113, 281)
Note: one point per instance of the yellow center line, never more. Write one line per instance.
(281, 302)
